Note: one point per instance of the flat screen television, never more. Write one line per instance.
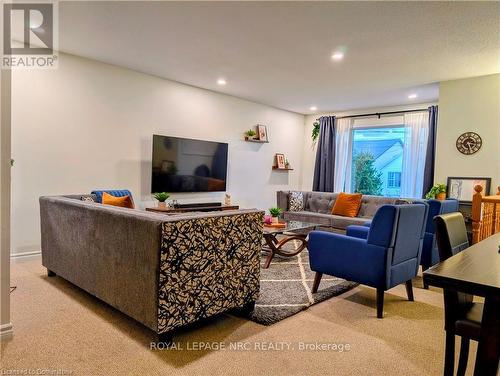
(186, 165)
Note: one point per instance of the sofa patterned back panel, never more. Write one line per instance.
(207, 266)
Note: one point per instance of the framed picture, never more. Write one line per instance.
(280, 161)
(462, 188)
(262, 132)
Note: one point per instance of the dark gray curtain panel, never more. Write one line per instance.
(430, 156)
(325, 155)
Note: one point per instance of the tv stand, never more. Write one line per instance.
(198, 207)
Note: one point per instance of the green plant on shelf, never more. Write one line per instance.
(250, 134)
(275, 212)
(161, 196)
(435, 191)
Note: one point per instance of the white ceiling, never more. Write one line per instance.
(278, 53)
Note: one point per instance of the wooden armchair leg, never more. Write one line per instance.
(449, 354)
(317, 280)
(464, 356)
(409, 290)
(380, 303)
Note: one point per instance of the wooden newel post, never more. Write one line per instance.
(476, 213)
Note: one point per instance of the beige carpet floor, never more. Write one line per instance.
(59, 327)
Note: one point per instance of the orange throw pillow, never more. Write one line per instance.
(347, 204)
(124, 201)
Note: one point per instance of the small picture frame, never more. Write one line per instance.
(462, 188)
(262, 132)
(280, 161)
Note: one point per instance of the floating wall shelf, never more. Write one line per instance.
(257, 141)
(282, 169)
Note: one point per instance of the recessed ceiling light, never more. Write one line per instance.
(338, 55)
(412, 96)
(313, 108)
(221, 81)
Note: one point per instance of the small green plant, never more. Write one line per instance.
(250, 133)
(315, 131)
(435, 190)
(275, 212)
(161, 196)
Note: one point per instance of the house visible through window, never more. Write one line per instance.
(377, 160)
(393, 179)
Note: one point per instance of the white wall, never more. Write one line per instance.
(471, 104)
(5, 138)
(309, 153)
(89, 125)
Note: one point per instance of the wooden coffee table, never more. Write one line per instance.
(275, 246)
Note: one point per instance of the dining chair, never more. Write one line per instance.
(430, 253)
(462, 315)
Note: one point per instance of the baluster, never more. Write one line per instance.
(476, 213)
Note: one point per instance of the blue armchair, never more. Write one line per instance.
(390, 254)
(430, 254)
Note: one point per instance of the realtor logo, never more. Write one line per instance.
(29, 35)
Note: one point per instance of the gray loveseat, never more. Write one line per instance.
(163, 271)
(318, 207)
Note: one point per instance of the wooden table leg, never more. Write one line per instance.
(488, 352)
(271, 247)
(274, 246)
(269, 259)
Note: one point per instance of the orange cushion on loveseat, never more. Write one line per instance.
(347, 204)
(123, 201)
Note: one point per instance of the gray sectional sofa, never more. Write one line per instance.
(318, 206)
(163, 271)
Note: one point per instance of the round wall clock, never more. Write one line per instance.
(469, 143)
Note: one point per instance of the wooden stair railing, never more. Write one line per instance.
(485, 215)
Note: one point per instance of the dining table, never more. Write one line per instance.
(476, 271)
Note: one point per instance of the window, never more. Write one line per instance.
(367, 149)
(394, 179)
(377, 160)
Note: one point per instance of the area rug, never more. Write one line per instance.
(285, 288)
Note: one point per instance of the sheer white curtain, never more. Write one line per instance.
(343, 146)
(415, 148)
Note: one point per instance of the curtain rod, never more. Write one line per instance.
(378, 114)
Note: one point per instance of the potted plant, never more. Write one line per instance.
(161, 197)
(250, 134)
(287, 164)
(275, 213)
(438, 191)
(315, 131)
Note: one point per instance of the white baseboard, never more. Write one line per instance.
(26, 254)
(6, 332)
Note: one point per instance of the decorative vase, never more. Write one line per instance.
(162, 204)
(275, 219)
(441, 196)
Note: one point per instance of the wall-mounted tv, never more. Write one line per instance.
(186, 165)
